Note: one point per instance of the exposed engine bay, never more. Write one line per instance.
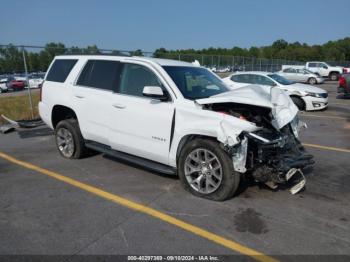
(259, 115)
(272, 156)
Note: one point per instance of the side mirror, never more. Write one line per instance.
(155, 92)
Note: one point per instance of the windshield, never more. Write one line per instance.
(280, 79)
(195, 82)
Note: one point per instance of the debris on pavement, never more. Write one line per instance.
(24, 123)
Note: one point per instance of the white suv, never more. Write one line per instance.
(176, 118)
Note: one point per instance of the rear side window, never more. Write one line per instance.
(101, 74)
(60, 70)
(261, 80)
(241, 78)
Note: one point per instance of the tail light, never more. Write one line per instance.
(41, 91)
(342, 81)
(345, 70)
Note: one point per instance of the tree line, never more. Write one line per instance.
(39, 59)
(338, 50)
(11, 57)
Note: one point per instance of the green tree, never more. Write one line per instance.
(137, 52)
(91, 50)
(159, 52)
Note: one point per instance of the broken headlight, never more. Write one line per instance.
(314, 94)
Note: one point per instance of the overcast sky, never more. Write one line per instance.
(176, 24)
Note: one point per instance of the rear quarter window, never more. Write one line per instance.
(60, 70)
(312, 64)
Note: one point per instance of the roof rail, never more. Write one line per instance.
(99, 54)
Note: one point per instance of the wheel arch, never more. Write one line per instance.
(186, 138)
(300, 98)
(336, 73)
(311, 77)
(333, 72)
(61, 112)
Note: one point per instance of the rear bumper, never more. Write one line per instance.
(45, 114)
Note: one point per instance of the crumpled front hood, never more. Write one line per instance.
(282, 107)
(250, 95)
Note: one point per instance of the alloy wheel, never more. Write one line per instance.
(65, 142)
(203, 171)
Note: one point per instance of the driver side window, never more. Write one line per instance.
(322, 65)
(134, 78)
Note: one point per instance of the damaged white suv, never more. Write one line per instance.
(176, 118)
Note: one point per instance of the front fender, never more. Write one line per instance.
(221, 127)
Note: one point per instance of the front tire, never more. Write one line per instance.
(69, 141)
(206, 170)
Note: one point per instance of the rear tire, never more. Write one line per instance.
(298, 102)
(334, 76)
(214, 166)
(69, 141)
(312, 81)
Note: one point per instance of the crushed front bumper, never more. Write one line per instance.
(276, 158)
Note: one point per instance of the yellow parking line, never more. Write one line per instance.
(324, 116)
(230, 244)
(328, 148)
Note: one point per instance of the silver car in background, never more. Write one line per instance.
(301, 75)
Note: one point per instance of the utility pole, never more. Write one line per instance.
(27, 82)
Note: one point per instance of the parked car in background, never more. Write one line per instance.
(301, 75)
(321, 68)
(344, 84)
(305, 97)
(346, 70)
(15, 85)
(3, 85)
(35, 81)
(223, 70)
